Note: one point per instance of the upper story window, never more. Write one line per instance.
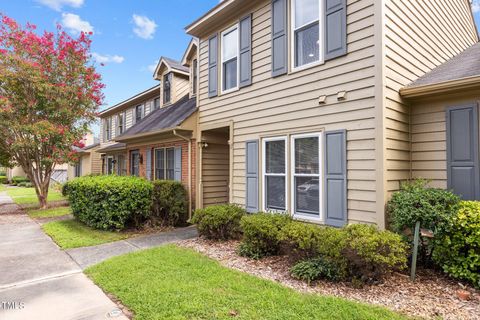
(229, 58)
(167, 88)
(156, 103)
(306, 33)
(108, 129)
(194, 76)
(138, 112)
(121, 123)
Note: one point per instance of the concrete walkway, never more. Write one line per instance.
(38, 280)
(89, 256)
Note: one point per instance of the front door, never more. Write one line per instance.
(462, 151)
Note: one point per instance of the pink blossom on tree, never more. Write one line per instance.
(49, 95)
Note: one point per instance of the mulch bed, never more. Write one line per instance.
(431, 296)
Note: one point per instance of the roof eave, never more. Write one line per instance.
(169, 67)
(129, 100)
(193, 27)
(147, 134)
(441, 87)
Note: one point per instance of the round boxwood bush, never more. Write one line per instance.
(219, 222)
(261, 234)
(110, 202)
(170, 203)
(457, 244)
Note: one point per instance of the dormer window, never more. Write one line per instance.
(230, 59)
(121, 123)
(194, 76)
(138, 112)
(167, 87)
(156, 103)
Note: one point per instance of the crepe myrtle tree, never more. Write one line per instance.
(49, 95)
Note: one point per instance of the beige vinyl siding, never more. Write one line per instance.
(215, 174)
(96, 160)
(182, 87)
(419, 36)
(429, 146)
(289, 104)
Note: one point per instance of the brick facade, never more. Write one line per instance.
(180, 143)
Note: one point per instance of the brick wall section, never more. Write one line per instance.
(184, 144)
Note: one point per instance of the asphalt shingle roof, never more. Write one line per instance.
(176, 65)
(463, 65)
(164, 118)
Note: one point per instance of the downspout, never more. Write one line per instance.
(189, 191)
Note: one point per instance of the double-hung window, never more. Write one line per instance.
(121, 165)
(78, 168)
(156, 103)
(135, 163)
(110, 164)
(275, 174)
(121, 122)
(167, 88)
(165, 164)
(194, 76)
(306, 182)
(230, 53)
(108, 129)
(306, 34)
(139, 112)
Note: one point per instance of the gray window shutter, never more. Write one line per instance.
(213, 66)
(178, 164)
(251, 202)
(462, 151)
(149, 164)
(279, 37)
(335, 28)
(246, 51)
(335, 178)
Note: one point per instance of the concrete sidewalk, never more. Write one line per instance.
(38, 280)
(89, 256)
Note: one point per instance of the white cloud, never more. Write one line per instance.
(153, 66)
(144, 27)
(75, 24)
(476, 6)
(101, 58)
(58, 4)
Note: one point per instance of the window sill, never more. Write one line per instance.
(229, 91)
(306, 66)
(306, 218)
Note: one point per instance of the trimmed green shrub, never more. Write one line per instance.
(219, 222)
(110, 202)
(170, 203)
(457, 244)
(306, 241)
(415, 202)
(21, 184)
(28, 185)
(3, 180)
(261, 234)
(17, 179)
(372, 253)
(315, 269)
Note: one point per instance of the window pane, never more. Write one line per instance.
(230, 74)
(306, 155)
(160, 164)
(307, 45)
(156, 103)
(275, 193)
(167, 82)
(230, 45)
(275, 156)
(307, 195)
(170, 164)
(138, 112)
(306, 11)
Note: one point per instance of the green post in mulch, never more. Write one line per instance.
(416, 239)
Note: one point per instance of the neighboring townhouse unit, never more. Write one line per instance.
(300, 111)
(89, 160)
(159, 144)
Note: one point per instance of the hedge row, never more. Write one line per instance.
(356, 252)
(120, 202)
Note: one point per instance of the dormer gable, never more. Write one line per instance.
(174, 80)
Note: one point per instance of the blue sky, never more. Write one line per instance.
(129, 35)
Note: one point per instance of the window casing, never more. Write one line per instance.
(167, 88)
(156, 103)
(230, 45)
(306, 182)
(275, 174)
(121, 122)
(165, 164)
(121, 165)
(108, 129)
(135, 163)
(194, 76)
(139, 112)
(306, 33)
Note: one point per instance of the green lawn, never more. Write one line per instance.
(49, 213)
(174, 283)
(2, 187)
(73, 234)
(27, 196)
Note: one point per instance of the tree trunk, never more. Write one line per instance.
(42, 195)
(40, 181)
